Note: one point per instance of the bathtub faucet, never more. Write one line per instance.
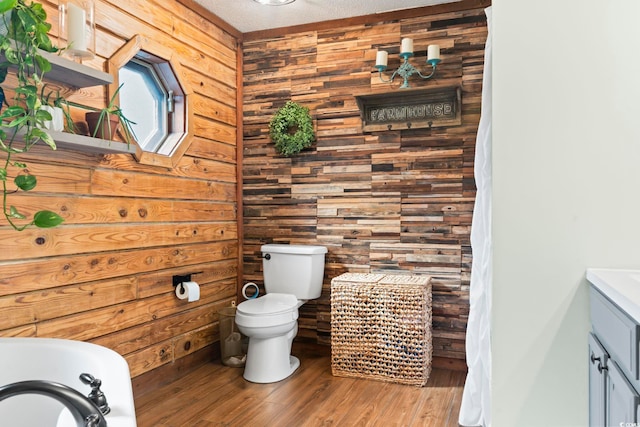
(85, 412)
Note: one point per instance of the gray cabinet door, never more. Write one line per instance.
(597, 382)
(622, 399)
(617, 332)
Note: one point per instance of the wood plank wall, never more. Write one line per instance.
(105, 275)
(381, 202)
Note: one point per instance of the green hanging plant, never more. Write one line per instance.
(26, 31)
(291, 129)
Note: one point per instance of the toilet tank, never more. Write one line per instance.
(293, 269)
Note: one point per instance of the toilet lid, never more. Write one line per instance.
(269, 304)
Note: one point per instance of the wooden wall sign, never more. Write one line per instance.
(410, 109)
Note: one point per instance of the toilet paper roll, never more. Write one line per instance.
(189, 291)
(255, 294)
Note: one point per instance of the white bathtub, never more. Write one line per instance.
(62, 361)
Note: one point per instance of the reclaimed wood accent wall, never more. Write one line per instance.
(387, 201)
(105, 275)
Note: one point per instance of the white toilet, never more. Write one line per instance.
(292, 275)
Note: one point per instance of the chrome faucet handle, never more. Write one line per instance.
(96, 395)
(90, 380)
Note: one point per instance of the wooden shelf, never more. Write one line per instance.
(87, 144)
(74, 74)
(71, 73)
(77, 75)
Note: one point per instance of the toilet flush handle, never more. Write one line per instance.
(266, 256)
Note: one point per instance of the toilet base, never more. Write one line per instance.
(265, 377)
(269, 360)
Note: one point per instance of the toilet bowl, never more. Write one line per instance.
(292, 275)
(271, 324)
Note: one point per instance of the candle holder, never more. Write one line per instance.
(77, 29)
(406, 70)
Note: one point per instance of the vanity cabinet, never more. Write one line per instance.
(614, 371)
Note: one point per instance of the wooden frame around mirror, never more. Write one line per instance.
(132, 48)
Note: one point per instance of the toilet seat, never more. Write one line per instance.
(269, 310)
(273, 303)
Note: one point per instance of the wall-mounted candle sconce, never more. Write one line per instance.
(406, 70)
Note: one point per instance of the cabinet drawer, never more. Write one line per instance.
(617, 332)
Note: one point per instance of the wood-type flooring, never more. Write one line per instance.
(216, 395)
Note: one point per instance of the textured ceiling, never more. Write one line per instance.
(247, 15)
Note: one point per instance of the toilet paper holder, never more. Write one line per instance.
(178, 279)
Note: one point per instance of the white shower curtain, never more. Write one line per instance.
(476, 398)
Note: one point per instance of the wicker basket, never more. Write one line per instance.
(381, 327)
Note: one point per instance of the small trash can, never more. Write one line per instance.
(232, 349)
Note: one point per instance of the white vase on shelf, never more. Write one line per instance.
(57, 118)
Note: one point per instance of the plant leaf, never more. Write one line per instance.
(43, 135)
(17, 122)
(27, 20)
(13, 213)
(12, 111)
(43, 115)
(43, 64)
(7, 5)
(26, 182)
(47, 219)
(48, 139)
(11, 55)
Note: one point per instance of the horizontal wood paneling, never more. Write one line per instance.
(71, 240)
(105, 274)
(50, 272)
(96, 210)
(22, 309)
(394, 201)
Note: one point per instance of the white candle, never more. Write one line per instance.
(381, 58)
(433, 52)
(76, 36)
(406, 46)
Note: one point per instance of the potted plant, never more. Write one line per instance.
(62, 103)
(23, 119)
(104, 123)
(58, 107)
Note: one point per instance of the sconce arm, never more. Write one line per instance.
(406, 70)
(433, 71)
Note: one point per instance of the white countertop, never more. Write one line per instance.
(620, 286)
